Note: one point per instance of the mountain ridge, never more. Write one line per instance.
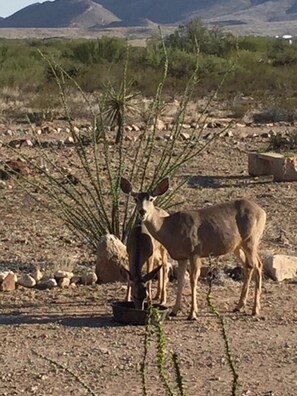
(90, 14)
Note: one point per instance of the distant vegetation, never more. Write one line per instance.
(264, 68)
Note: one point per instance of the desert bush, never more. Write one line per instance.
(265, 66)
(210, 41)
(276, 113)
(90, 205)
(283, 142)
(108, 49)
(282, 53)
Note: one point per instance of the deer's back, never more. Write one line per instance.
(214, 230)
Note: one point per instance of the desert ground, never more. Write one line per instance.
(56, 341)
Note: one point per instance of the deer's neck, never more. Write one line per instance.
(154, 224)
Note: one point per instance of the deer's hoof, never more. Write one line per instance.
(192, 317)
(172, 314)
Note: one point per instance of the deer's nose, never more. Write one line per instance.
(142, 212)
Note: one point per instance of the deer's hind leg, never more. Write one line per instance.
(195, 268)
(248, 257)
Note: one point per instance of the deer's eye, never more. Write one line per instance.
(151, 199)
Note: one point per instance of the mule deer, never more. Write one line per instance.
(235, 226)
(143, 248)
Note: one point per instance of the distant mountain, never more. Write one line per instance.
(61, 13)
(102, 13)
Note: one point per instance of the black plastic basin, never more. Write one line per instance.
(125, 312)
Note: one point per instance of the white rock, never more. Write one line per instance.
(63, 282)
(111, 257)
(168, 136)
(26, 280)
(89, 278)
(185, 136)
(280, 267)
(69, 139)
(160, 125)
(37, 274)
(63, 274)
(135, 128)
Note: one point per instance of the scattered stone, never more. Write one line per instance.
(8, 284)
(46, 283)
(208, 136)
(235, 273)
(228, 134)
(135, 128)
(63, 282)
(185, 136)
(128, 138)
(63, 274)
(69, 140)
(29, 143)
(75, 279)
(128, 128)
(89, 278)
(111, 258)
(160, 125)
(168, 136)
(76, 130)
(37, 274)
(3, 275)
(280, 267)
(265, 135)
(26, 280)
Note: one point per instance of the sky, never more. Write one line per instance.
(9, 7)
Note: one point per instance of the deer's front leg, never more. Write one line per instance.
(182, 266)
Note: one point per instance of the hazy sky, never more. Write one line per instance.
(8, 7)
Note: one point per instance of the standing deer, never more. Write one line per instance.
(235, 226)
(143, 248)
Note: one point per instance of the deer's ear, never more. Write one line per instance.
(125, 186)
(151, 274)
(161, 188)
